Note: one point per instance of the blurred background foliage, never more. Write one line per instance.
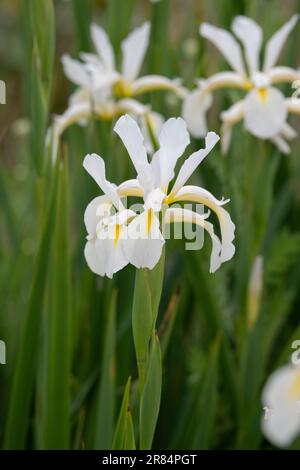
(68, 332)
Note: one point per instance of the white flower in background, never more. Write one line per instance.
(264, 108)
(281, 394)
(98, 70)
(118, 236)
(105, 92)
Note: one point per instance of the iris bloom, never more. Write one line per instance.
(117, 235)
(281, 395)
(264, 108)
(105, 92)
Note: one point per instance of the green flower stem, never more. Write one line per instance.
(147, 293)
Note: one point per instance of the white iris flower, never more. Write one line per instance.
(103, 91)
(264, 108)
(281, 395)
(117, 235)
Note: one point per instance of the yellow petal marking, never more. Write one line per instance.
(122, 89)
(149, 220)
(263, 94)
(294, 391)
(117, 234)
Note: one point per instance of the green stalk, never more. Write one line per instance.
(147, 293)
(57, 426)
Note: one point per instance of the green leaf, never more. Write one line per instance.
(58, 377)
(120, 432)
(24, 371)
(39, 43)
(151, 396)
(106, 393)
(129, 442)
(147, 293)
(118, 19)
(204, 431)
(82, 17)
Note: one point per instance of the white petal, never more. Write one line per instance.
(188, 216)
(95, 166)
(276, 42)
(282, 74)
(288, 131)
(75, 113)
(105, 257)
(202, 196)
(144, 244)
(89, 57)
(99, 78)
(90, 216)
(282, 424)
(156, 82)
(227, 45)
(194, 160)
(154, 121)
(133, 49)
(230, 117)
(75, 71)
(128, 105)
(91, 258)
(281, 144)
(173, 140)
(132, 138)
(250, 35)
(154, 200)
(103, 47)
(264, 117)
(130, 188)
(194, 110)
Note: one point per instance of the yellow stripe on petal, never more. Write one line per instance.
(294, 391)
(117, 234)
(149, 220)
(263, 94)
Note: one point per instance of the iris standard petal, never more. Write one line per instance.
(131, 136)
(250, 35)
(133, 49)
(227, 45)
(75, 71)
(276, 42)
(173, 140)
(193, 161)
(95, 167)
(103, 47)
